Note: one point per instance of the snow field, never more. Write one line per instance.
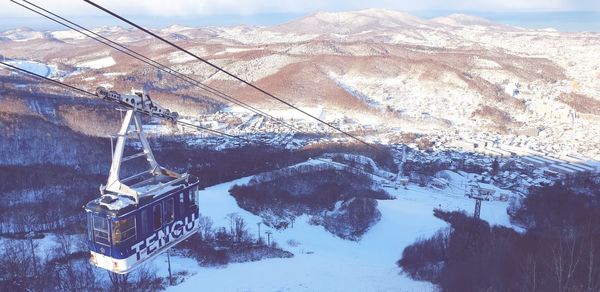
(98, 63)
(35, 67)
(322, 261)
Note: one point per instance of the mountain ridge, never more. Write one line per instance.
(459, 75)
(385, 18)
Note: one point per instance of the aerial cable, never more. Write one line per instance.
(47, 79)
(155, 64)
(15, 68)
(227, 72)
(138, 56)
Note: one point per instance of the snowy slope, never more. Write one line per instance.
(322, 261)
(35, 67)
(457, 75)
(98, 63)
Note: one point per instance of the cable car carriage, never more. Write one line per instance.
(138, 217)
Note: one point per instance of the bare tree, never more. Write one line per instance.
(566, 255)
(237, 227)
(530, 271)
(146, 279)
(120, 282)
(205, 229)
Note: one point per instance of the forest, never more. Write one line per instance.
(343, 202)
(558, 249)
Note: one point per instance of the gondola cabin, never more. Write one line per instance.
(138, 217)
(123, 234)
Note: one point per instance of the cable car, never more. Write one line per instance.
(139, 217)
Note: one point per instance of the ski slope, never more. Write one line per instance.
(323, 262)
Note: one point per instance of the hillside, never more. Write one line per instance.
(323, 261)
(380, 68)
(447, 107)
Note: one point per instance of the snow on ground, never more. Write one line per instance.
(46, 246)
(235, 50)
(98, 63)
(68, 34)
(35, 67)
(22, 35)
(257, 68)
(112, 74)
(106, 85)
(316, 111)
(179, 57)
(258, 36)
(322, 261)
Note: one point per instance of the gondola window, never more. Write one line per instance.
(157, 217)
(169, 211)
(192, 198)
(101, 230)
(123, 230)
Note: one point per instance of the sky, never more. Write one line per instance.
(561, 14)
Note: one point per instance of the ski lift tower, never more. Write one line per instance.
(479, 194)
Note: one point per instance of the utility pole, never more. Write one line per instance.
(268, 238)
(169, 262)
(258, 224)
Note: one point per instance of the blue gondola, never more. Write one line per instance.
(121, 238)
(138, 217)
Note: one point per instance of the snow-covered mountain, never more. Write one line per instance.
(380, 68)
(436, 93)
(462, 20)
(352, 22)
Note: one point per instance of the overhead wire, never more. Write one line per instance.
(15, 68)
(220, 69)
(83, 91)
(155, 64)
(132, 53)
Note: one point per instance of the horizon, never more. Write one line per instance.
(564, 21)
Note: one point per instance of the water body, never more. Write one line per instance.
(562, 21)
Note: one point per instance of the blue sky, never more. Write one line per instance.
(573, 15)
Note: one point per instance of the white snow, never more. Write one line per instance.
(322, 261)
(179, 57)
(119, 202)
(22, 35)
(112, 74)
(290, 114)
(258, 68)
(35, 67)
(68, 34)
(235, 50)
(107, 85)
(175, 28)
(98, 63)
(255, 36)
(485, 63)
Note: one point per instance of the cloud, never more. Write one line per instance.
(250, 7)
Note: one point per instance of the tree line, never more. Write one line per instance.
(559, 250)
